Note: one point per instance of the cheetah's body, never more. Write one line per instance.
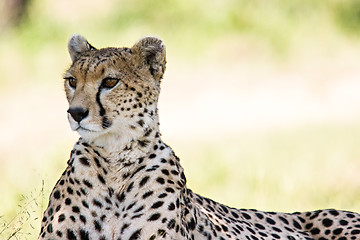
(123, 182)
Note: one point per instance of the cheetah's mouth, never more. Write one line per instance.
(80, 128)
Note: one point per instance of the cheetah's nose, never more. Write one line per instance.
(78, 113)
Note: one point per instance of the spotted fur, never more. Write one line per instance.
(123, 182)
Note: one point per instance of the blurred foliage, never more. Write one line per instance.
(12, 13)
(347, 16)
(194, 23)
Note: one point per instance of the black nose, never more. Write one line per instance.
(78, 113)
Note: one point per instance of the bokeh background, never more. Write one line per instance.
(261, 99)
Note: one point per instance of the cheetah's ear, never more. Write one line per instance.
(152, 52)
(78, 44)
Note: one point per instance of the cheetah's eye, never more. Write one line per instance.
(109, 82)
(72, 82)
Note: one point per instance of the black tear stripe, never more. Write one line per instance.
(106, 123)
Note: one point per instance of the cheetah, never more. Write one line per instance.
(122, 182)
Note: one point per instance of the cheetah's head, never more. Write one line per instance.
(113, 92)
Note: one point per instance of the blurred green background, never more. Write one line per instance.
(260, 99)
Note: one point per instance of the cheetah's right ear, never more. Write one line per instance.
(78, 44)
(152, 53)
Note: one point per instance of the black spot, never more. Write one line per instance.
(148, 132)
(162, 195)
(57, 194)
(153, 155)
(169, 190)
(61, 218)
(125, 226)
(171, 206)
(309, 225)
(171, 224)
(84, 161)
(87, 183)
(157, 204)
(283, 220)
(130, 187)
(245, 215)
(69, 190)
(139, 209)
(162, 233)
(58, 208)
(343, 222)
(85, 204)
(143, 143)
(97, 225)
(327, 222)
(192, 225)
(315, 231)
(59, 234)
(147, 194)
(138, 170)
(154, 217)
(144, 181)
(71, 235)
(120, 197)
(75, 209)
(67, 201)
(101, 179)
(140, 122)
(131, 205)
(49, 228)
(275, 236)
(160, 180)
(97, 162)
(84, 235)
(259, 226)
(83, 218)
(334, 212)
(235, 215)
(97, 203)
(296, 224)
(270, 221)
(50, 212)
(135, 235)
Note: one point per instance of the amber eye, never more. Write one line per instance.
(109, 82)
(72, 82)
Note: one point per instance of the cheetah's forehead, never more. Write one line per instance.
(106, 62)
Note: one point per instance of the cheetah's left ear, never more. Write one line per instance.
(78, 44)
(152, 52)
